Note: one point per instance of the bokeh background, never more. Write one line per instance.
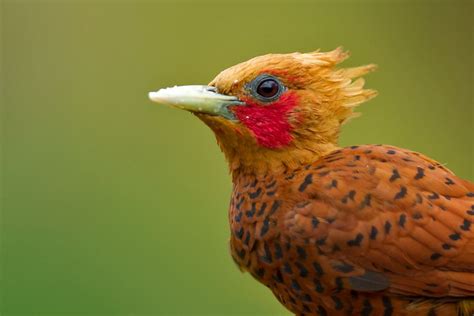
(113, 205)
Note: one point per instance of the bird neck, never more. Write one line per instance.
(260, 163)
(247, 157)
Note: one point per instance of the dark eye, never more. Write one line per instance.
(266, 88)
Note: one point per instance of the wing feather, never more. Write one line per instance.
(395, 215)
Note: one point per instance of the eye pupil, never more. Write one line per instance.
(268, 88)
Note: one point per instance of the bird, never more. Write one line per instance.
(359, 230)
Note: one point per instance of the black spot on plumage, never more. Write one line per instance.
(431, 167)
(265, 227)
(260, 272)
(307, 167)
(420, 173)
(395, 175)
(276, 204)
(455, 236)
(337, 303)
(247, 238)
(446, 246)
(356, 241)
(319, 270)
(271, 193)
(343, 267)
(314, 222)
(278, 277)
(401, 194)
(335, 248)
(449, 181)
(466, 225)
(354, 147)
(302, 204)
(319, 167)
(301, 252)
(471, 211)
(387, 227)
(368, 151)
(321, 311)
(295, 285)
(239, 233)
(366, 308)
(349, 196)
(391, 152)
(251, 212)
(333, 159)
(292, 299)
(239, 204)
(318, 286)
(402, 220)
(307, 181)
(262, 209)
(324, 173)
(321, 241)
(417, 215)
(303, 270)
(387, 305)
(256, 194)
(419, 198)
(470, 194)
(254, 183)
(366, 201)
(287, 268)
(290, 176)
(278, 251)
(271, 184)
(333, 184)
(339, 285)
(373, 232)
(433, 196)
(238, 217)
(435, 256)
(267, 256)
(241, 253)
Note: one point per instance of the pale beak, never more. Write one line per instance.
(200, 99)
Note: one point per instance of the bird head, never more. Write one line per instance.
(276, 111)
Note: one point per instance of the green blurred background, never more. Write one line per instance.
(113, 205)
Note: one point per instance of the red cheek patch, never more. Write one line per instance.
(268, 122)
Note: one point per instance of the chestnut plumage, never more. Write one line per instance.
(362, 230)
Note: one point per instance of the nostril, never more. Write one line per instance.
(211, 89)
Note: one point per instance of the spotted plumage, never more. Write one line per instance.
(409, 249)
(364, 230)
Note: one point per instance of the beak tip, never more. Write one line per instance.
(152, 96)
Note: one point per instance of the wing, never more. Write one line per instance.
(385, 218)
